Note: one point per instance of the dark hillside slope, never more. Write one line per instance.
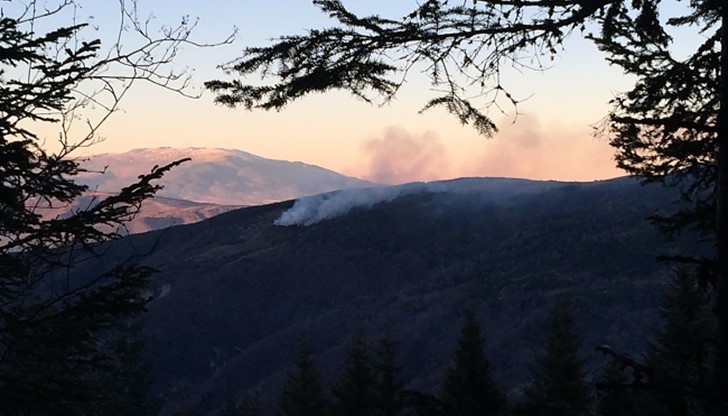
(236, 291)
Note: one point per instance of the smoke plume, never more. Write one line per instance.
(399, 156)
(312, 209)
(531, 149)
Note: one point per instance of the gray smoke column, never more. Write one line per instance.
(312, 209)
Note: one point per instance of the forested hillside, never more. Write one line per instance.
(236, 292)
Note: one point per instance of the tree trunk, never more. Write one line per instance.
(722, 219)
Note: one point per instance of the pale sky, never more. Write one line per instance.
(551, 140)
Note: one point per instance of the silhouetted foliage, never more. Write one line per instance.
(664, 128)
(424, 404)
(558, 386)
(249, 406)
(617, 396)
(388, 388)
(675, 377)
(128, 380)
(65, 347)
(468, 388)
(681, 357)
(461, 47)
(303, 394)
(354, 391)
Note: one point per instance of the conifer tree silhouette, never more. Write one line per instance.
(469, 388)
(558, 386)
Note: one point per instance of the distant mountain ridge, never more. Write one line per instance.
(216, 176)
(155, 213)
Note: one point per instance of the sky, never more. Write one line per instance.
(551, 138)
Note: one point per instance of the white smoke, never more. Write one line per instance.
(312, 209)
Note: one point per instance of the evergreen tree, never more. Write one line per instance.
(616, 396)
(128, 380)
(558, 387)
(675, 377)
(303, 394)
(469, 388)
(388, 387)
(55, 323)
(681, 357)
(672, 127)
(354, 391)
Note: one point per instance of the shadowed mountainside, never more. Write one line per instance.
(235, 292)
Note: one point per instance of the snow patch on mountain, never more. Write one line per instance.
(218, 176)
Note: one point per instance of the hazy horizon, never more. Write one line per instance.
(385, 174)
(549, 136)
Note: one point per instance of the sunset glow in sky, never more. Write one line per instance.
(551, 139)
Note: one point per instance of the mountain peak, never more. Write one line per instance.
(216, 175)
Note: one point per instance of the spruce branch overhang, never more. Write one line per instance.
(461, 47)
